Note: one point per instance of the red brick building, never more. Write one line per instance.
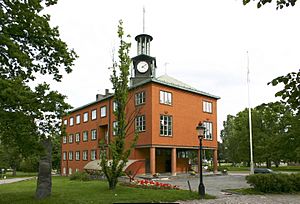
(164, 111)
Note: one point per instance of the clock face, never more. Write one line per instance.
(142, 66)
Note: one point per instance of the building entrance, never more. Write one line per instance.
(163, 160)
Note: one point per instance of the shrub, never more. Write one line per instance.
(269, 183)
(81, 176)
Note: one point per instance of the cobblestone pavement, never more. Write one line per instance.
(249, 199)
(215, 184)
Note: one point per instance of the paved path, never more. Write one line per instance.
(215, 184)
(13, 180)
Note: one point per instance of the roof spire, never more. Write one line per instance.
(144, 19)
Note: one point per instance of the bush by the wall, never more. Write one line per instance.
(268, 183)
(81, 176)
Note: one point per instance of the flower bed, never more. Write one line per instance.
(151, 184)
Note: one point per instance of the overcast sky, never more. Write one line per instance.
(203, 42)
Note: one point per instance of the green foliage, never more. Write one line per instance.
(28, 43)
(81, 176)
(119, 153)
(291, 92)
(30, 164)
(275, 136)
(278, 183)
(280, 3)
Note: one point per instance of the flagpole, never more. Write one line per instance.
(250, 119)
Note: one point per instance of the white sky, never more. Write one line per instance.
(204, 43)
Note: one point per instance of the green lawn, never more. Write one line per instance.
(66, 191)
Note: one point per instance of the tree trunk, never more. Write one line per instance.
(14, 173)
(44, 182)
(112, 183)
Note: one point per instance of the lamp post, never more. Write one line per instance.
(201, 131)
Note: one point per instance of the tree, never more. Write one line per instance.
(291, 92)
(119, 152)
(29, 46)
(280, 3)
(274, 128)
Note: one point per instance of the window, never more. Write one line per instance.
(85, 136)
(165, 97)
(207, 107)
(64, 156)
(65, 122)
(71, 121)
(115, 128)
(93, 154)
(140, 98)
(140, 123)
(94, 134)
(84, 155)
(77, 119)
(115, 106)
(77, 155)
(70, 155)
(76, 170)
(64, 139)
(71, 138)
(70, 170)
(85, 117)
(77, 137)
(208, 130)
(64, 170)
(103, 111)
(94, 114)
(165, 125)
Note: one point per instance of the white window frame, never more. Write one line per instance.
(85, 136)
(166, 125)
(70, 171)
(64, 156)
(71, 121)
(103, 111)
(207, 107)
(84, 155)
(65, 122)
(165, 97)
(140, 123)
(70, 155)
(208, 130)
(77, 137)
(64, 139)
(64, 170)
(115, 106)
(77, 119)
(93, 134)
(140, 98)
(93, 154)
(115, 127)
(71, 138)
(94, 114)
(77, 155)
(85, 117)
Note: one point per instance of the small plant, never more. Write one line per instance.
(81, 176)
(156, 175)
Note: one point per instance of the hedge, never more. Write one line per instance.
(276, 183)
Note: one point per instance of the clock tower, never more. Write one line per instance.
(143, 64)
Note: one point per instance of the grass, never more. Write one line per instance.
(66, 191)
(280, 168)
